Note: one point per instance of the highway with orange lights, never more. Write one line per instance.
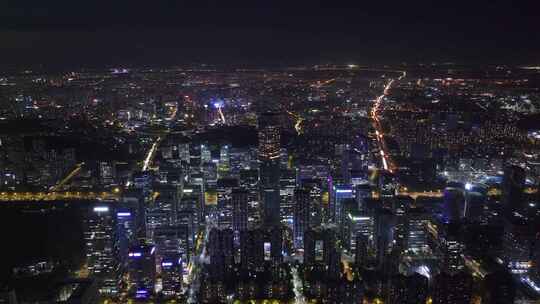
(387, 163)
(54, 196)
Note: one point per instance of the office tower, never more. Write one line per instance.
(318, 245)
(172, 242)
(209, 173)
(251, 249)
(319, 198)
(287, 186)
(193, 202)
(474, 206)
(258, 246)
(384, 232)
(513, 185)
(168, 200)
(240, 210)
(107, 173)
(361, 250)
(224, 164)
(334, 265)
(451, 245)
(188, 213)
(453, 289)
(387, 184)
(101, 241)
(518, 244)
(362, 194)
(270, 199)
(453, 204)
(127, 233)
(171, 274)
(499, 288)
(269, 136)
(142, 180)
(357, 223)
(225, 206)
(239, 159)
(142, 270)
(339, 194)
(400, 204)
(415, 226)
(404, 289)
(221, 252)
(302, 215)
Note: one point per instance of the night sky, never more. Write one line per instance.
(97, 32)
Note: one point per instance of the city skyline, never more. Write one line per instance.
(268, 152)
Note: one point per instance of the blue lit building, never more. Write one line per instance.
(142, 271)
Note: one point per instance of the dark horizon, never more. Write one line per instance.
(63, 33)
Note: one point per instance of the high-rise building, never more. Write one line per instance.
(499, 288)
(303, 215)
(512, 189)
(142, 270)
(221, 252)
(271, 201)
(171, 275)
(340, 193)
(287, 185)
(454, 204)
(451, 245)
(258, 246)
(225, 206)
(361, 250)
(518, 244)
(318, 246)
(384, 232)
(102, 248)
(453, 289)
(411, 289)
(474, 206)
(269, 136)
(240, 210)
(416, 220)
(357, 223)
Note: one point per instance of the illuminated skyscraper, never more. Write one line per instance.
(416, 235)
(269, 136)
(102, 248)
(302, 215)
(340, 194)
(269, 153)
(451, 246)
(142, 270)
(518, 244)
